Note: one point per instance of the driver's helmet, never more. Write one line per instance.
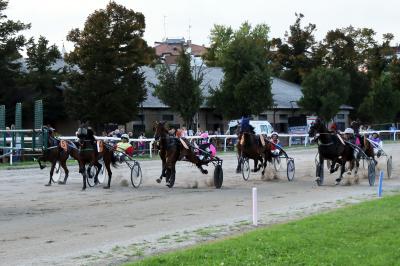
(204, 135)
(274, 133)
(348, 131)
(125, 136)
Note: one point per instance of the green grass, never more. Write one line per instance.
(363, 234)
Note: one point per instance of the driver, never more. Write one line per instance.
(275, 144)
(125, 147)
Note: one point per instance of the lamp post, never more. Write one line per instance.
(291, 104)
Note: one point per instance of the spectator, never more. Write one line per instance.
(141, 144)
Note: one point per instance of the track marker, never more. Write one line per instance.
(380, 184)
(255, 211)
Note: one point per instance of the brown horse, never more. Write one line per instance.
(255, 147)
(54, 152)
(172, 149)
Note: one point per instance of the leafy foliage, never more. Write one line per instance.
(11, 44)
(180, 89)
(294, 56)
(109, 51)
(44, 80)
(246, 88)
(324, 90)
(383, 102)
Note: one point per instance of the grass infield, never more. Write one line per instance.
(363, 234)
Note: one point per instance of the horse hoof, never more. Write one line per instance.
(238, 171)
(42, 167)
(349, 172)
(337, 182)
(205, 172)
(83, 189)
(168, 184)
(158, 180)
(106, 187)
(48, 185)
(61, 182)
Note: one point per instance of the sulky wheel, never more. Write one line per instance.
(59, 173)
(320, 173)
(102, 173)
(136, 175)
(218, 176)
(90, 174)
(389, 166)
(371, 172)
(245, 168)
(290, 169)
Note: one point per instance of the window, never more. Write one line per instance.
(340, 116)
(168, 117)
(283, 116)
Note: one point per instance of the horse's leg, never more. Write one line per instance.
(83, 172)
(63, 164)
(342, 169)
(255, 165)
(99, 166)
(40, 162)
(107, 163)
(163, 170)
(53, 165)
(239, 156)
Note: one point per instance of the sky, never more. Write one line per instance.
(55, 18)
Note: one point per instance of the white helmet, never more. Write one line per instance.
(125, 136)
(349, 131)
(275, 133)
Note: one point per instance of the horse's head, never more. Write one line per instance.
(159, 130)
(315, 128)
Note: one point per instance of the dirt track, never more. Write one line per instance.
(63, 225)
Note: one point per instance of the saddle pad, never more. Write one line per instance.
(100, 146)
(64, 145)
(262, 140)
(184, 143)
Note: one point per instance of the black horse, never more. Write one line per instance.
(89, 154)
(331, 147)
(173, 149)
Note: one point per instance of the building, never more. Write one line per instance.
(285, 96)
(168, 50)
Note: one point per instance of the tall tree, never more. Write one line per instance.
(109, 51)
(44, 79)
(246, 88)
(324, 90)
(294, 56)
(179, 87)
(383, 102)
(220, 37)
(11, 43)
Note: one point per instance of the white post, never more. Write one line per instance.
(255, 211)
(305, 141)
(151, 148)
(290, 141)
(380, 184)
(11, 151)
(225, 144)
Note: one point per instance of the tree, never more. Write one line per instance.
(220, 37)
(246, 88)
(10, 67)
(109, 51)
(180, 89)
(44, 80)
(324, 90)
(294, 56)
(383, 102)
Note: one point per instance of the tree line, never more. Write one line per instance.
(102, 81)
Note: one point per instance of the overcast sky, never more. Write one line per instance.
(54, 18)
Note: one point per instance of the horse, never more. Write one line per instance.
(89, 154)
(53, 153)
(172, 149)
(254, 147)
(331, 147)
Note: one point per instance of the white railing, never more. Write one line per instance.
(286, 139)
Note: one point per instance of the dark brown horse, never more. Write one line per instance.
(172, 149)
(255, 147)
(90, 155)
(54, 152)
(331, 147)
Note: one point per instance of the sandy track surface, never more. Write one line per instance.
(65, 226)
